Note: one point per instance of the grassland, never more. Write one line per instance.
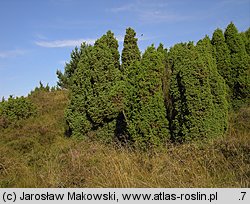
(36, 153)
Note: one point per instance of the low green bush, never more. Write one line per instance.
(15, 109)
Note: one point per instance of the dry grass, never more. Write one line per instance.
(37, 154)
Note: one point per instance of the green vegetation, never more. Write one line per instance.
(219, 114)
(163, 118)
(191, 95)
(247, 41)
(37, 154)
(14, 110)
(222, 55)
(240, 66)
(130, 52)
(65, 79)
(145, 111)
(95, 93)
(147, 98)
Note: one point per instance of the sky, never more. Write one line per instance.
(37, 36)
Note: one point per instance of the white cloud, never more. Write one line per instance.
(160, 16)
(127, 7)
(64, 43)
(70, 43)
(11, 53)
(146, 11)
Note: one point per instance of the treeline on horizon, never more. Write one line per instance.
(147, 99)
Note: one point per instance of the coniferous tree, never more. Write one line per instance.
(222, 55)
(217, 86)
(130, 58)
(65, 79)
(166, 78)
(96, 100)
(119, 88)
(179, 93)
(112, 43)
(145, 113)
(76, 112)
(190, 92)
(130, 52)
(247, 44)
(240, 66)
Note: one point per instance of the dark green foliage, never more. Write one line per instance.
(217, 86)
(65, 79)
(166, 78)
(247, 41)
(198, 93)
(130, 60)
(222, 56)
(145, 110)
(15, 109)
(191, 96)
(110, 41)
(96, 99)
(130, 52)
(240, 66)
(233, 39)
(146, 100)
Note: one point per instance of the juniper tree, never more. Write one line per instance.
(130, 57)
(112, 43)
(96, 100)
(222, 55)
(192, 104)
(146, 114)
(217, 86)
(65, 79)
(76, 112)
(247, 43)
(130, 52)
(240, 66)
(166, 78)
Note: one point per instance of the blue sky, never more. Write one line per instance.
(37, 36)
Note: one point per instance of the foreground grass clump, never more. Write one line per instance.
(36, 153)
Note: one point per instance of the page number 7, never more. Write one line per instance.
(243, 195)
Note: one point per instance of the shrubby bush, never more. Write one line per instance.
(15, 109)
(43, 88)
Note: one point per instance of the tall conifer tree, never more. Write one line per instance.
(222, 55)
(146, 114)
(247, 45)
(96, 100)
(130, 58)
(240, 66)
(166, 78)
(217, 86)
(192, 104)
(130, 52)
(76, 112)
(65, 79)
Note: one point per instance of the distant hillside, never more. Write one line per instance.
(35, 152)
